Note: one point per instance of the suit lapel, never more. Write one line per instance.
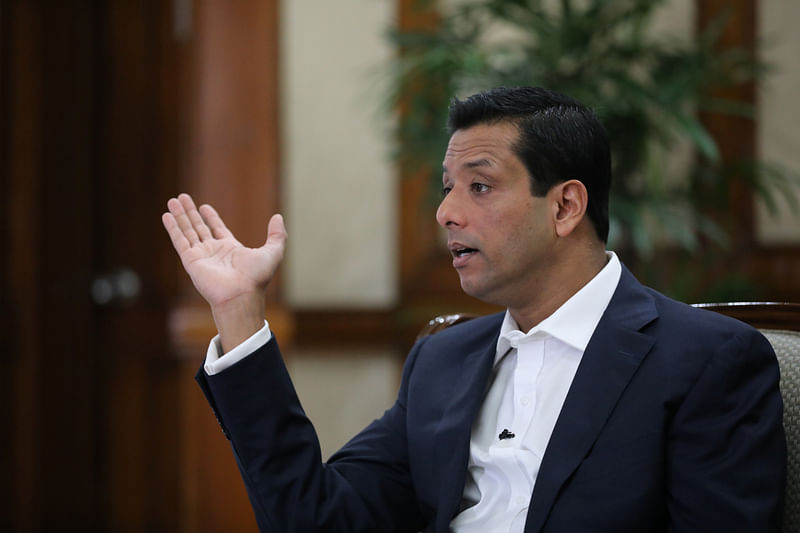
(611, 358)
(453, 433)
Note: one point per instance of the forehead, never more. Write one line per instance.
(490, 142)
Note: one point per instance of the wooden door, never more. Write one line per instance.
(104, 427)
(87, 139)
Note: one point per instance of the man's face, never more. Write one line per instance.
(500, 235)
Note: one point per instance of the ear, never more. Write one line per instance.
(570, 200)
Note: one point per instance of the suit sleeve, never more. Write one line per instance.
(726, 448)
(366, 486)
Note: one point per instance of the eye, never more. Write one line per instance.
(446, 191)
(479, 187)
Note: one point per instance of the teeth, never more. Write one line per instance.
(464, 251)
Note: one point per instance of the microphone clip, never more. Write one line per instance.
(505, 434)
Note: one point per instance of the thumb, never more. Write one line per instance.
(276, 233)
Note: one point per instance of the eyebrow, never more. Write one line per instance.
(477, 163)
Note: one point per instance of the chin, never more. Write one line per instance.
(476, 291)
(468, 289)
(486, 294)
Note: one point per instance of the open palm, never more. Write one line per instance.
(221, 268)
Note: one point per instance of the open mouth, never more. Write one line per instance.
(461, 252)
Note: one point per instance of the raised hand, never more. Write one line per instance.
(231, 277)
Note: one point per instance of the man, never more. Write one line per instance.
(593, 404)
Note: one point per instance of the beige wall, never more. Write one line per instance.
(339, 182)
(340, 205)
(342, 391)
(779, 107)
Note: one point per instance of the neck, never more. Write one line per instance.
(568, 276)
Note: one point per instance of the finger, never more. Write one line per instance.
(276, 234)
(218, 228)
(197, 222)
(179, 241)
(178, 211)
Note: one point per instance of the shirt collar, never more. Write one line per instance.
(575, 321)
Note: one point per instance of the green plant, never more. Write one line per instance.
(646, 90)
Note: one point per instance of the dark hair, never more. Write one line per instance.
(560, 139)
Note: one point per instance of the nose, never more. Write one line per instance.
(450, 212)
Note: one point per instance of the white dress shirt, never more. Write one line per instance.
(216, 362)
(531, 377)
(532, 374)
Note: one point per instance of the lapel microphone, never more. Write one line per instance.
(505, 434)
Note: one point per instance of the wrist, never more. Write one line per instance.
(238, 319)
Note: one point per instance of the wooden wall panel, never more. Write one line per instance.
(48, 90)
(20, 87)
(140, 417)
(66, 451)
(735, 136)
(231, 159)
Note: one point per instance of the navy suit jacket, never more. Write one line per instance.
(673, 423)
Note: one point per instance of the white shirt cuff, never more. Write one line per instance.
(216, 363)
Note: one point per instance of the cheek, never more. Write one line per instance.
(528, 238)
(538, 224)
(520, 222)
